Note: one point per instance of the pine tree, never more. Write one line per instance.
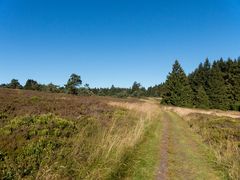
(177, 88)
(14, 84)
(234, 72)
(31, 85)
(217, 91)
(198, 79)
(201, 99)
(73, 83)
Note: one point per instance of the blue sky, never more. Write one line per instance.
(113, 41)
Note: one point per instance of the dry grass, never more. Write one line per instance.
(102, 141)
(186, 111)
(145, 136)
(222, 135)
(147, 108)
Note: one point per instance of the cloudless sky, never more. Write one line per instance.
(113, 41)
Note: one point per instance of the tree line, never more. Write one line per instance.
(215, 85)
(74, 86)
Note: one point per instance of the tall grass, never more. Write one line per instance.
(49, 147)
(223, 136)
(110, 147)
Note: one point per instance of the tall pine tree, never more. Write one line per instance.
(217, 90)
(198, 81)
(177, 88)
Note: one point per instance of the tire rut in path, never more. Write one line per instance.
(163, 167)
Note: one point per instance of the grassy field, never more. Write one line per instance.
(222, 135)
(59, 136)
(56, 136)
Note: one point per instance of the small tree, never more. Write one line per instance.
(31, 85)
(73, 84)
(14, 84)
(136, 90)
(136, 87)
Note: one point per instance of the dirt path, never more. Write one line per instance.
(182, 154)
(163, 168)
(186, 111)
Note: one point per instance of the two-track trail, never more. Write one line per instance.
(182, 153)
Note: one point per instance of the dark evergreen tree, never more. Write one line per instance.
(14, 84)
(3, 85)
(233, 84)
(137, 90)
(217, 91)
(155, 91)
(178, 90)
(112, 91)
(198, 79)
(73, 84)
(32, 85)
(136, 87)
(201, 98)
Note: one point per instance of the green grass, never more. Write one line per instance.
(147, 156)
(141, 162)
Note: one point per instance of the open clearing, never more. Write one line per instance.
(56, 136)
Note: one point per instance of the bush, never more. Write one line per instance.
(31, 142)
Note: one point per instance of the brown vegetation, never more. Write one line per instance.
(59, 136)
(21, 102)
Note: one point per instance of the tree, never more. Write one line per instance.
(155, 91)
(14, 84)
(136, 86)
(177, 88)
(217, 90)
(32, 85)
(198, 79)
(3, 85)
(137, 90)
(52, 88)
(73, 84)
(201, 98)
(112, 91)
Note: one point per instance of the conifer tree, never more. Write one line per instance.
(177, 88)
(217, 91)
(201, 98)
(73, 83)
(198, 79)
(234, 84)
(31, 85)
(14, 84)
